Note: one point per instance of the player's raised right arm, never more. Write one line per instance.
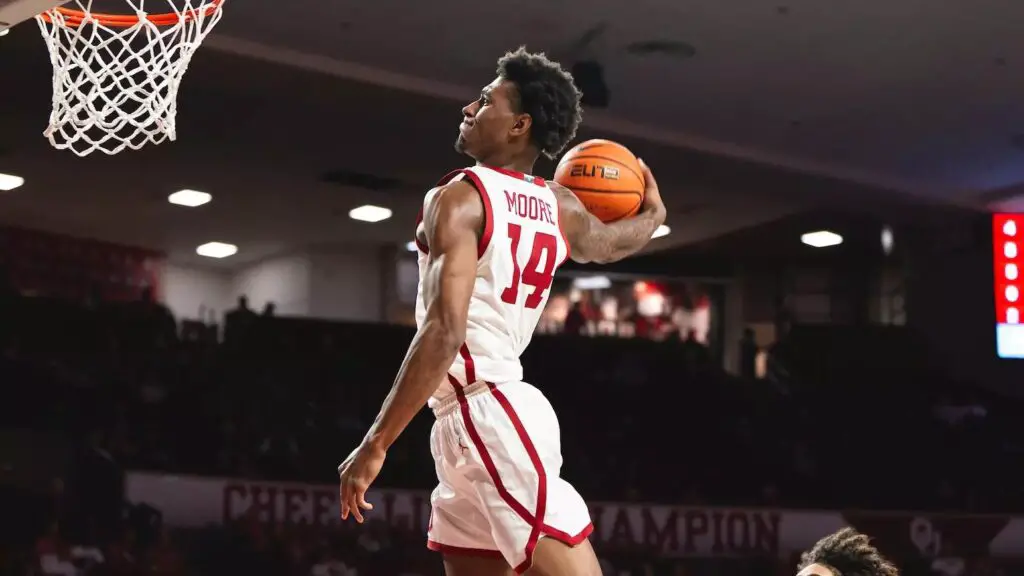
(591, 240)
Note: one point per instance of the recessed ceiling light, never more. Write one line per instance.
(821, 239)
(10, 182)
(887, 240)
(411, 247)
(189, 198)
(217, 250)
(661, 231)
(369, 213)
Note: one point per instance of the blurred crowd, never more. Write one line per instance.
(851, 419)
(631, 308)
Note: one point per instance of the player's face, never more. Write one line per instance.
(489, 122)
(816, 570)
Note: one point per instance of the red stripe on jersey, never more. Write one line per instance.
(415, 234)
(537, 180)
(485, 237)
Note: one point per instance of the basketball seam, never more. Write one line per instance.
(599, 191)
(635, 208)
(629, 213)
(619, 162)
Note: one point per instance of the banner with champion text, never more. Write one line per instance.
(190, 501)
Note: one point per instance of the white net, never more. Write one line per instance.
(115, 81)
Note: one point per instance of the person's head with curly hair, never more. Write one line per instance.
(531, 109)
(845, 553)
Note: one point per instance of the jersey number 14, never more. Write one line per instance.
(536, 275)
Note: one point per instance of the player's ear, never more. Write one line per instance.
(522, 124)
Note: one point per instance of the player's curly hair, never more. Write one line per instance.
(848, 553)
(548, 94)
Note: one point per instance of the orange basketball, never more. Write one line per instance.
(605, 176)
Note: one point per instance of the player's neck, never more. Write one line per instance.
(520, 168)
(523, 164)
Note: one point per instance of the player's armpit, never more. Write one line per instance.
(591, 240)
(453, 222)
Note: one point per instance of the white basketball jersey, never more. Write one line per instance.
(520, 249)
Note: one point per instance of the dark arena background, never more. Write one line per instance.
(825, 333)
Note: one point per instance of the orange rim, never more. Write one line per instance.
(75, 18)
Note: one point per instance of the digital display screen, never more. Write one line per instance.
(1007, 243)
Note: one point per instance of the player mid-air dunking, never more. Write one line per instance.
(490, 239)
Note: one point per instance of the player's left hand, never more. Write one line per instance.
(357, 472)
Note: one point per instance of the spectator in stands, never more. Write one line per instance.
(152, 321)
(164, 558)
(98, 487)
(783, 317)
(748, 355)
(696, 356)
(845, 553)
(122, 555)
(576, 321)
(53, 555)
(54, 502)
(239, 320)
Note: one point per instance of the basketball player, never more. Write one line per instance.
(845, 553)
(490, 239)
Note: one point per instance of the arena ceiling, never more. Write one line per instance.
(747, 111)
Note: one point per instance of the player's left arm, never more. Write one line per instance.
(452, 224)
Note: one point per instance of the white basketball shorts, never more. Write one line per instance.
(498, 455)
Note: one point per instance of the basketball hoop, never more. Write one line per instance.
(116, 77)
